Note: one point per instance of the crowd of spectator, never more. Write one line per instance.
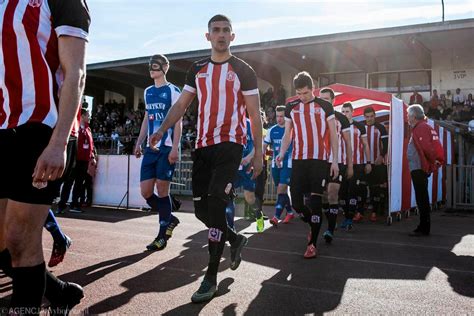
(447, 106)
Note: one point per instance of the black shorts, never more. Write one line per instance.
(215, 169)
(342, 174)
(21, 148)
(379, 175)
(309, 176)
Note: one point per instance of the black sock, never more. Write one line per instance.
(316, 217)
(217, 235)
(28, 288)
(332, 217)
(231, 235)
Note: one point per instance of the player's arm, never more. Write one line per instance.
(175, 113)
(365, 143)
(178, 130)
(141, 136)
(334, 147)
(50, 165)
(285, 141)
(247, 159)
(347, 140)
(383, 143)
(253, 108)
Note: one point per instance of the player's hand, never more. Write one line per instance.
(245, 161)
(173, 156)
(350, 172)
(155, 138)
(279, 161)
(368, 168)
(334, 173)
(378, 161)
(256, 165)
(50, 164)
(138, 151)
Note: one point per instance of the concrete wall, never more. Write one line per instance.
(109, 95)
(137, 95)
(453, 68)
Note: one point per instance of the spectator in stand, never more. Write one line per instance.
(466, 113)
(469, 101)
(456, 114)
(270, 117)
(281, 95)
(416, 98)
(458, 98)
(449, 99)
(434, 99)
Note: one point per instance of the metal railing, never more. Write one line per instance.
(182, 179)
(462, 196)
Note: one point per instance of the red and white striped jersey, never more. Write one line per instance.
(377, 138)
(220, 89)
(342, 125)
(310, 124)
(30, 72)
(358, 132)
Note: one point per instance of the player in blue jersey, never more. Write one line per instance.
(159, 162)
(281, 175)
(244, 179)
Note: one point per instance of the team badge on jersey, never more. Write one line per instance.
(163, 95)
(35, 3)
(151, 117)
(231, 76)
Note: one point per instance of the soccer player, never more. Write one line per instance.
(226, 87)
(309, 121)
(42, 76)
(377, 138)
(244, 179)
(344, 160)
(159, 160)
(353, 191)
(281, 175)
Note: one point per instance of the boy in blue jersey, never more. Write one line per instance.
(159, 162)
(244, 179)
(281, 175)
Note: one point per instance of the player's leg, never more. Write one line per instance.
(78, 186)
(285, 176)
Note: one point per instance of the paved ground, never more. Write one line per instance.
(374, 269)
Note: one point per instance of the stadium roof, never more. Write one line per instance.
(388, 49)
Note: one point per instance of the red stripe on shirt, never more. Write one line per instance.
(13, 81)
(215, 108)
(201, 83)
(40, 71)
(229, 108)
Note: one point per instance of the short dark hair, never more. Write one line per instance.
(162, 59)
(303, 79)
(368, 110)
(328, 90)
(348, 105)
(280, 108)
(219, 18)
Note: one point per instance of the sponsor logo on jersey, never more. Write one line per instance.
(151, 117)
(164, 95)
(35, 3)
(202, 75)
(231, 76)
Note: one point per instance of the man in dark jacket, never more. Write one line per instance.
(425, 154)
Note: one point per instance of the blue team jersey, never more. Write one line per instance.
(273, 138)
(158, 101)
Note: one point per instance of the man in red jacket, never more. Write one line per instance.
(425, 154)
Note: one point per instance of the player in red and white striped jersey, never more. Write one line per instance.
(42, 69)
(309, 121)
(354, 190)
(344, 159)
(377, 138)
(226, 87)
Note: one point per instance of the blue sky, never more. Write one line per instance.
(124, 29)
